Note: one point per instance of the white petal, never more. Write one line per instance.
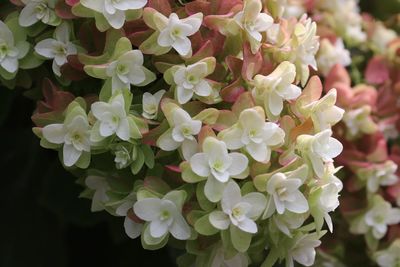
(275, 103)
(99, 108)
(28, 17)
(213, 189)
(70, 155)
(219, 220)
(259, 152)
(132, 229)
(179, 228)
(189, 148)
(203, 88)
(232, 137)
(123, 130)
(194, 21)
(199, 165)
(158, 228)
(248, 226)
(300, 205)
(230, 197)
(166, 142)
(129, 4)
(10, 64)
(54, 133)
(258, 203)
(45, 48)
(164, 39)
(239, 163)
(148, 209)
(94, 4)
(116, 20)
(183, 46)
(183, 95)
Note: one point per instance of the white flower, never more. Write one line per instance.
(389, 257)
(285, 193)
(112, 117)
(128, 69)
(38, 10)
(100, 187)
(218, 166)
(331, 54)
(122, 156)
(289, 221)
(252, 22)
(276, 87)
(191, 80)
(182, 133)
(58, 48)
(383, 174)
(237, 210)
(253, 133)
(10, 51)
(319, 149)
(303, 250)
(359, 121)
(323, 112)
(114, 10)
(174, 32)
(74, 133)
(164, 216)
(379, 216)
(132, 228)
(150, 104)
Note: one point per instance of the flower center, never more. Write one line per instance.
(218, 165)
(282, 192)
(115, 119)
(237, 212)
(3, 50)
(252, 133)
(379, 219)
(40, 9)
(165, 215)
(60, 50)
(176, 32)
(122, 69)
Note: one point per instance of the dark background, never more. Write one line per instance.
(43, 223)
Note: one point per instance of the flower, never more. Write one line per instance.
(100, 186)
(303, 250)
(191, 80)
(358, 121)
(331, 54)
(181, 133)
(58, 48)
(389, 257)
(122, 155)
(319, 149)
(288, 221)
(237, 210)
(38, 10)
(112, 118)
(377, 175)
(253, 23)
(323, 112)
(74, 134)
(283, 189)
(382, 36)
(218, 166)
(128, 69)
(253, 133)
(379, 216)
(114, 11)
(275, 88)
(164, 215)
(10, 51)
(150, 104)
(174, 32)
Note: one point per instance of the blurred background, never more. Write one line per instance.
(43, 222)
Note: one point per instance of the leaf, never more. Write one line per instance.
(204, 227)
(148, 156)
(137, 165)
(240, 240)
(203, 201)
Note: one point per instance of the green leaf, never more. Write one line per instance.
(137, 165)
(121, 47)
(203, 201)
(151, 243)
(204, 227)
(240, 240)
(188, 175)
(148, 156)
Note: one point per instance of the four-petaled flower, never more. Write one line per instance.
(164, 215)
(58, 48)
(218, 166)
(150, 104)
(38, 10)
(111, 118)
(253, 133)
(237, 210)
(181, 133)
(128, 69)
(114, 10)
(273, 89)
(10, 51)
(74, 134)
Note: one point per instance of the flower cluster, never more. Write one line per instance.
(205, 125)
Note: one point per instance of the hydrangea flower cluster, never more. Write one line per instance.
(213, 126)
